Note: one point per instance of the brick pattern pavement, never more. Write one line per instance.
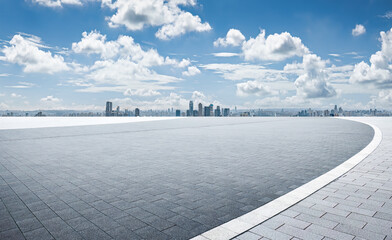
(357, 205)
(159, 180)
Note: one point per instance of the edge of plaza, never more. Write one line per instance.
(249, 220)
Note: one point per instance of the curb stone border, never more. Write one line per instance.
(249, 220)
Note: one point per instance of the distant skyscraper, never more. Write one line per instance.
(207, 111)
(137, 112)
(226, 112)
(190, 108)
(211, 110)
(336, 108)
(195, 113)
(200, 110)
(217, 111)
(178, 113)
(109, 108)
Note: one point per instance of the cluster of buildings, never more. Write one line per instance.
(336, 112)
(206, 111)
(200, 111)
(109, 112)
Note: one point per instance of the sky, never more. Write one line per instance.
(160, 54)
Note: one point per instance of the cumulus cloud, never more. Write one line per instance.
(379, 71)
(172, 100)
(57, 3)
(254, 88)
(15, 95)
(50, 99)
(136, 15)
(141, 92)
(276, 47)
(124, 74)
(383, 99)
(358, 30)
(237, 72)
(22, 85)
(233, 38)
(191, 71)
(124, 47)
(125, 65)
(387, 15)
(313, 81)
(225, 54)
(26, 52)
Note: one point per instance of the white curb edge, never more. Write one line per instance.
(249, 220)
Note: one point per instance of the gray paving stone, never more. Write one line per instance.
(38, 234)
(300, 233)
(316, 220)
(75, 179)
(359, 232)
(269, 233)
(327, 232)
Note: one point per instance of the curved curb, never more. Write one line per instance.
(249, 220)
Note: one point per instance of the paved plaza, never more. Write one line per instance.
(358, 205)
(176, 179)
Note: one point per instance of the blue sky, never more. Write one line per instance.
(155, 54)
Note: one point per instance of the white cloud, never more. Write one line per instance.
(236, 72)
(254, 88)
(124, 47)
(15, 95)
(3, 106)
(225, 54)
(141, 92)
(26, 52)
(125, 65)
(313, 81)
(22, 85)
(122, 74)
(358, 30)
(276, 47)
(382, 100)
(387, 15)
(172, 100)
(50, 99)
(379, 71)
(334, 55)
(57, 3)
(135, 15)
(233, 38)
(191, 71)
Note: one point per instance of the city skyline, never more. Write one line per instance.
(74, 55)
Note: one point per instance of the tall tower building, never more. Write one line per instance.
(200, 109)
(137, 112)
(109, 109)
(190, 108)
(211, 110)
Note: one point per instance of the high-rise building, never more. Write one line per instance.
(207, 111)
(200, 110)
(217, 111)
(190, 108)
(178, 113)
(195, 113)
(188, 113)
(109, 108)
(137, 112)
(211, 110)
(226, 112)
